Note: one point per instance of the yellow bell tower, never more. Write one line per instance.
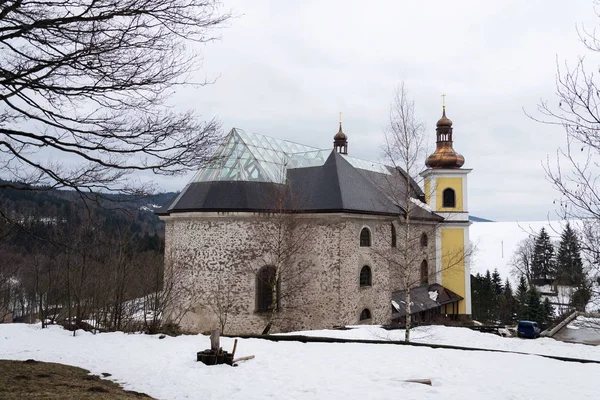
(446, 193)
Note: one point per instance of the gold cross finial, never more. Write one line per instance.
(444, 101)
(340, 118)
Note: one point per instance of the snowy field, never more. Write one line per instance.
(166, 369)
(496, 242)
(467, 338)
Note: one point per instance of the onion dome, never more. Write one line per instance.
(340, 141)
(444, 155)
(340, 135)
(444, 121)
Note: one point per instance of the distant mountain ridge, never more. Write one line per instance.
(61, 205)
(478, 219)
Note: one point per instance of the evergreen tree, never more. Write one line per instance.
(476, 301)
(581, 297)
(487, 296)
(569, 266)
(534, 309)
(497, 282)
(543, 263)
(548, 312)
(496, 303)
(521, 299)
(507, 304)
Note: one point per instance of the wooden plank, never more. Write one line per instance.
(243, 359)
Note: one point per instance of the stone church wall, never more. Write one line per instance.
(218, 255)
(386, 275)
(215, 258)
(377, 297)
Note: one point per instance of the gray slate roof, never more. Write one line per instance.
(335, 186)
(420, 299)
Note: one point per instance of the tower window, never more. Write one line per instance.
(424, 272)
(365, 276)
(365, 237)
(393, 229)
(424, 240)
(265, 283)
(365, 314)
(449, 198)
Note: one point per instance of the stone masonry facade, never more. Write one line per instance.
(213, 259)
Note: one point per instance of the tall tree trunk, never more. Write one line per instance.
(407, 268)
(408, 318)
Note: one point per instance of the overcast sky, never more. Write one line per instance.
(286, 68)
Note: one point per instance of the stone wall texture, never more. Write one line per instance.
(214, 258)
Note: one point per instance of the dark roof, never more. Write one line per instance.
(335, 186)
(421, 300)
(224, 196)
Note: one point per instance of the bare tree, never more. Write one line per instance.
(405, 148)
(522, 259)
(87, 82)
(281, 249)
(8, 284)
(575, 172)
(179, 291)
(222, 302)
(8, 274)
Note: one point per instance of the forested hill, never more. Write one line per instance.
(51, 206)
(64, 258)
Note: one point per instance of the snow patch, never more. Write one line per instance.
(419, 203)
(166, 369)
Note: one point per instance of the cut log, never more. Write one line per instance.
(243, 359)
(214, 340)
(421, 381)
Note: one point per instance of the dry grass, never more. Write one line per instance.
(37, 380)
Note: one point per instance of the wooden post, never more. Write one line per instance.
(214, 340)
(234, 348)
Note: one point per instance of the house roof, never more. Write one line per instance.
(257, 173)
(422, 298)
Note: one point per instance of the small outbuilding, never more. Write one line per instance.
(427, 304)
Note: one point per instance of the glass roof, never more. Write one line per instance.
(252, 157)
(368, 165)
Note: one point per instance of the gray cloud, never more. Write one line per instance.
(287, 68)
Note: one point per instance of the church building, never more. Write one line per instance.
(293, 237)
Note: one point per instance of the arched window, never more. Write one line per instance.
(424, 240)
(449, 198)
(365, 314)
(393, 229)
(424, 272)
(265, 283)
(365, 237)
(365, 276)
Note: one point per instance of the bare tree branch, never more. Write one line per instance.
(88, 82)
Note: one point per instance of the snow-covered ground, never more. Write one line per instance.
(496, 242)
(166, 369)
(465, 337)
